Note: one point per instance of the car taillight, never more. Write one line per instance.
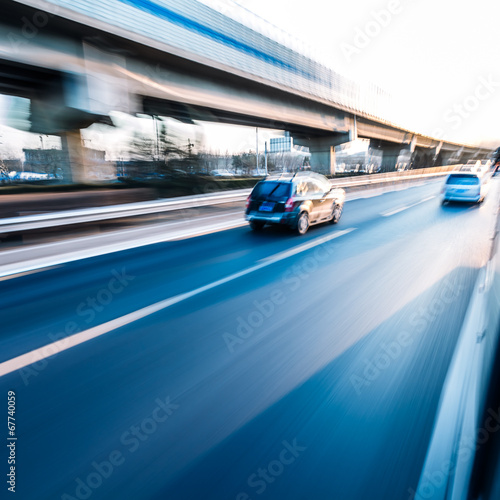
(248, 201)
(289, 204)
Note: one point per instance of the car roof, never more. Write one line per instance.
(289, 177)
(463, 174)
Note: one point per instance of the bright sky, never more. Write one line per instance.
(437, 58)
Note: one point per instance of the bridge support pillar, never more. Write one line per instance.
(435, 155)
(75, 170)
(390, 153)
(466, 157)
(451, 157)
(422, 158)
(445, 158)
(322, 151)
(390, 157)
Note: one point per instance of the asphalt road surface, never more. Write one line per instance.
(285, 367)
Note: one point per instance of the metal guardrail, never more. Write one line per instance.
(82, 216)
(101, 214)
(460, 428)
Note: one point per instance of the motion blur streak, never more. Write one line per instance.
(57, 347)
(330, 387)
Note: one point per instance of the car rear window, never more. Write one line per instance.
(463, 180)
(271, 190)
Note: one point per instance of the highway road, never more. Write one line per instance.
(283, 367)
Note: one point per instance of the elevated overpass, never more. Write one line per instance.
(79, 60)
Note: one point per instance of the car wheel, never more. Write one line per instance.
(336, 214)
(257, 225)
(302, 223)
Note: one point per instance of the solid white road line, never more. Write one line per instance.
(79, 338)
(305, 246)
(26, 273)
(406, 207)
(103, 249)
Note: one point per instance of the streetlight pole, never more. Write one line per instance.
(157, 149)
(265, 157)
(257, 147)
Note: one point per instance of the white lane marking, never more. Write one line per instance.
(406, 207)
(103, 249)
(305, 246)
(396, 211)
(26, 273)
(79, 338)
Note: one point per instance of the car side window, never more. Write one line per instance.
(314, 188)
(302, 188)
(325, 186)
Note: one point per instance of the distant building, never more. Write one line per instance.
(43, 161)
(10, 165)
(98, 169)
(281, 144)
(53, 161)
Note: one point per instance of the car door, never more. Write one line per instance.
(320, 203)
(327, 198)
